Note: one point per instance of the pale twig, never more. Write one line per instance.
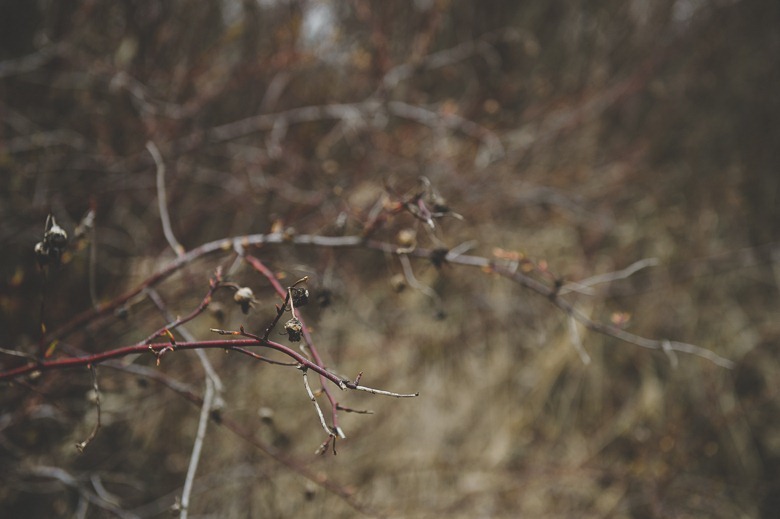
(162, 202)
(309, 392)
(351, 242)
(83, 444)
(205, 411)
(21, 354)
(577, 341)
(667, 347)
(178, 324)
(375, 391)
(212, 397)
(412, 280)
(70, 481)
(29, 62)
(585, 286)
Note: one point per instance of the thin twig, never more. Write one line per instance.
(414, 283)
(203, 422)
(309, 392)
(307, 240)
(69, 480)
(247, 435)
(162, 202)
(586, 285)
(83, 444)
(577, 341)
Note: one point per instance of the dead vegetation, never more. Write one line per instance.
(618, 156)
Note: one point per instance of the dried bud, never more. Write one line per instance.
(407, 238)
(55, 236)
(245, 297)
(293, 327)
(52, 247)
(266, 415)
(300, 296)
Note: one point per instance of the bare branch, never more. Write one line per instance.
(162, 201)
(83, 444)
(304, 370)
(585, 286)
(197, 447)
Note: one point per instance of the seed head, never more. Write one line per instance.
(245, 298)
(294, 328)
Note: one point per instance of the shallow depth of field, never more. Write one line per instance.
(582, 137)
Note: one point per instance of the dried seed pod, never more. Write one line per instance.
(245, 297)
(300, 296)
(41, 253)
(55, 236)
(294, 328)
(55, 239)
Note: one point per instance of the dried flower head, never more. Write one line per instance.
(245, 297)
(407, 238)
(55, 239)
(55, 236)
(300, 296)
(294, 328)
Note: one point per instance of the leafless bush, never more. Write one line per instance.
(492, 205)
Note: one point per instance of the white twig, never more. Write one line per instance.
(203, 422)
(461, 249)
(666, 345)
(374, 391)
(83, 444)
(585, 286)
(162, 202)
(185, 333)
(328, 431)
(412, 280)
(577, 342)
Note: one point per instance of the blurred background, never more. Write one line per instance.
(586, 136)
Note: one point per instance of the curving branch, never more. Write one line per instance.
(550, 292)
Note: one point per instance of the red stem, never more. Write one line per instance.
(224, 344)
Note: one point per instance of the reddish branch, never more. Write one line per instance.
(304, 240)
(284, 294)
(156, 348)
